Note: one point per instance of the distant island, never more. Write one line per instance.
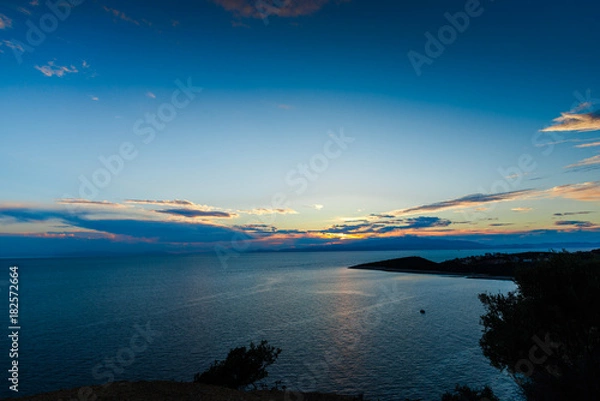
(500, 266)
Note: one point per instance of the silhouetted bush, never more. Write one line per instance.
(242, 367)
(546, 333)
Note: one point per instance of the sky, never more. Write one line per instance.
(236, 125)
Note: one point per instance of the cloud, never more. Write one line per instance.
(316, 206)
(466, 201)
(521, 209)
(150, 95)
(560, 142)
(25, 215)
(383, 227)
(51, 70)
(585, 192)
(382, 216)
(590, 161)
(588, 145)
(176, 202)
(284, 106)
(426, 222)
(5, 22)
(75, 201)
(575, 223)
(196, 213)
(576, 122)
(264, 211)
(94, 98)
(572, 213)
(184, 208)
(258, 228)
(161, 231)
(238, 24)
(264, 8)
(14, 46)
(120, 15)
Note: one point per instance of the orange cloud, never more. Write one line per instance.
(590, 161)
(588, 145)
(575, 122)
(5, 22)
(586, 192)
(52, 70)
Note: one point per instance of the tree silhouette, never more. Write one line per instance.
(546, 333)
(242, 367)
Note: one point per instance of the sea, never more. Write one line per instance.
(87, 321)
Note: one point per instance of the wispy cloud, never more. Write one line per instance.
(184, 208)
(316, 206)
(5, 22)
(196, 213)
(465, 201)
(570, 140)
(585, 192)
(365, 227)
(573, 213)
(265, 211)
(575, 223)
(239, 24)
(14, 46)
(576, 122)
(588, 145)
(120, 15)
(589, 162)
(76, 201)
(160, 202)
(150, 95)
(288, 8)
(521, 209)
(140, 229)
(52, 70)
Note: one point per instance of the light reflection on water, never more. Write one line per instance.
(341, 330)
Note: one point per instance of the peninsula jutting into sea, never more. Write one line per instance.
(490, 265)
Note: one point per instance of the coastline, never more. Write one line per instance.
(433, 273)
(490, 266)
(175, 391)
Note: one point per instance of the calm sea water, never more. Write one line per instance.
(87, 321)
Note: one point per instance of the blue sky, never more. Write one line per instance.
(177, 126)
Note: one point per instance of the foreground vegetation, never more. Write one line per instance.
(546, 334)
